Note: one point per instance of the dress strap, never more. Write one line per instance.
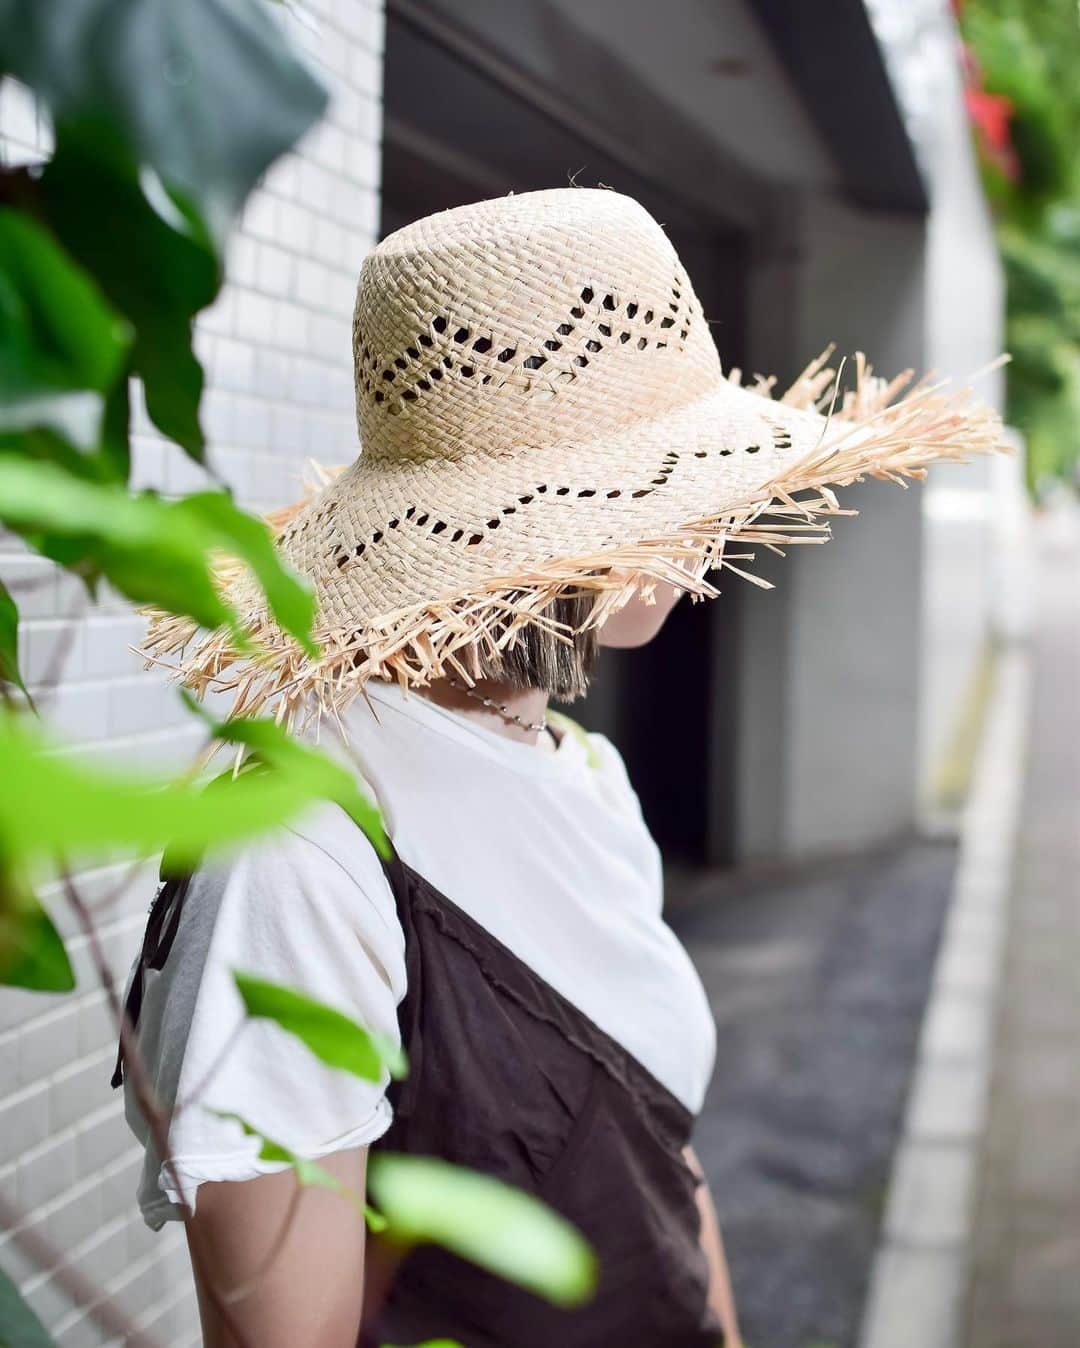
(403, 883)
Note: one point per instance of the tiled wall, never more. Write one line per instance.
(276, 350)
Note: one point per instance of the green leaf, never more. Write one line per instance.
(9, 642)
(127, 538)
(272, 745)
(206, 93)
(19, 1326)
(158, 271)
(152, 550)
(499, 1228)
(431, 1343)
(333, 1037)
(61, 347)
(53, 808)
(307, 1172)
(246, 537)
(32, 953)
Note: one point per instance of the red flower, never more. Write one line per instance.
(991, 115)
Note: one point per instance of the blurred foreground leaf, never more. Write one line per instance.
(9, 642)
(307, 1172)
(430, 1343)
(270, 744)
(499, 1228)
(19, 1326)
(54, 809)
(226, 98)
(61, 347)
(329, 1034)
(32, 953)
(152, 550)
(154, 261)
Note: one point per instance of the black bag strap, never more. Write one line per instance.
(161, 927)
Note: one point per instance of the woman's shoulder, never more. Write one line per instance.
(605, 761)
(308, 883)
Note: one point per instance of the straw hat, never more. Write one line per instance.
(542, 408)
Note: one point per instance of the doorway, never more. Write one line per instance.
(453, 133)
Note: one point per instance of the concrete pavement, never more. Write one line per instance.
(1025, 1274)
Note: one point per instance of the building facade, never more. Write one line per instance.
(777, 154)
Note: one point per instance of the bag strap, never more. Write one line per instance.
(161, 927)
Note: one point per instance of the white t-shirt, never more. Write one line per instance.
(544, 846)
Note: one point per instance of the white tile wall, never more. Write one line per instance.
(276, 350)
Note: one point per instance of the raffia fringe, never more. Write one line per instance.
(886, 439)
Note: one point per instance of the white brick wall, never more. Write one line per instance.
(276, 349)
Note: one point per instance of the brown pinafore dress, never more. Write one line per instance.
(508, 1077)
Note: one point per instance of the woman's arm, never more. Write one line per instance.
(288, 1260)
(721, 1298)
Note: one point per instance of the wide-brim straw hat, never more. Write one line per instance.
(542, 410)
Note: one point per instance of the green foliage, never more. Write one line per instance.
(229, 98)
(431, 1343)
(329, 1034)
(61, 347)
(19, 1326)
(9, 642)
(152, 550)
(153, 260)
(1043, 271)
(149, 174)
(32, 953)
(270, 746)
(1029, 53)
(54, 808)
(1016, 66)
(491, 1224)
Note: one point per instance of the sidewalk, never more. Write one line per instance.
(1025, 1276)
(818, 975)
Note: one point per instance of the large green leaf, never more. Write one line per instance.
(152, 550)
(100, 529)
(54, 808)
(205, 93)
(491, 1224)
(61, 347)
(242, 535)
(9, 641)
(152, 257)
(19, 1326)
(329, 1034)
(32, 953)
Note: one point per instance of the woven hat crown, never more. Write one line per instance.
(526, 320)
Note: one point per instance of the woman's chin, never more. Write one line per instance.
(628, 636)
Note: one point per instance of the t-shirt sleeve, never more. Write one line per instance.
(310, 908)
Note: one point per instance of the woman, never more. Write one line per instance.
(551, 456)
